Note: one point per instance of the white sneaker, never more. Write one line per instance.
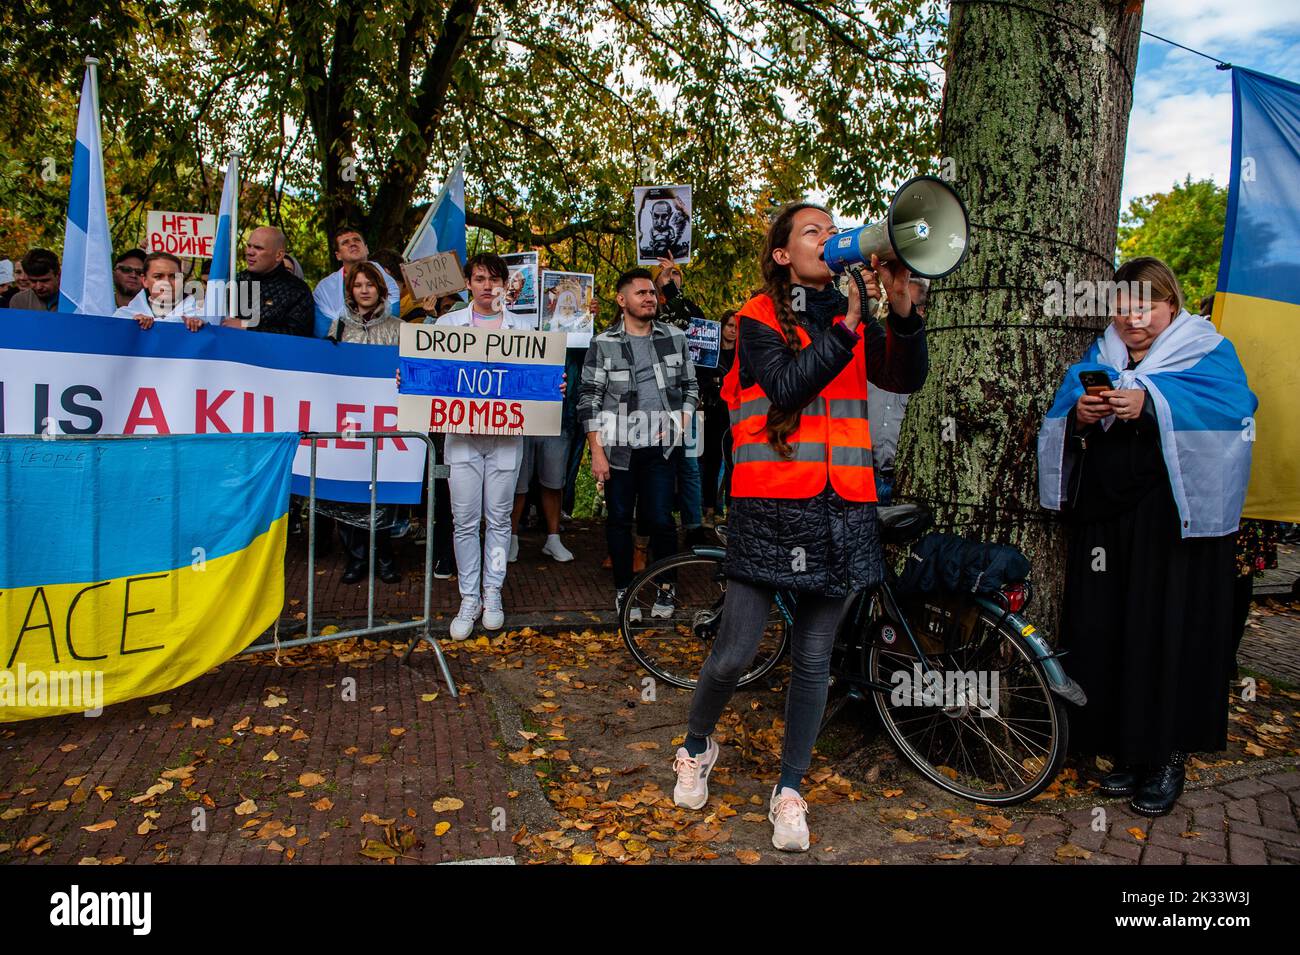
(493, 615)
(513, 555)
(462, 625)
(634, 614)
(665, 602)
(555, 549)
(692, 789)
(788, 814)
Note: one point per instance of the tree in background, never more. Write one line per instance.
(1035, 117)
(1183, 226)
(351, 111)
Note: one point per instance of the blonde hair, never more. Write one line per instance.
(1148, 269)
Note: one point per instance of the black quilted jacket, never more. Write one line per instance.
(823, 544)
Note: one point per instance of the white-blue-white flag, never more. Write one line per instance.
(216, 303)
(86, 282)
(443, 228)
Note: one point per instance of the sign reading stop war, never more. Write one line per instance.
(436, 275)
(465, 380)
(181, 233)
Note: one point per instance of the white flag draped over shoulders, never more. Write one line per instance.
(1204, 409)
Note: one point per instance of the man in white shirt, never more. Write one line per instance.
(349, 248)
(162, 296)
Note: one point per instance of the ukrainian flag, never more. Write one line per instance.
(131, 566)
(1257, 301)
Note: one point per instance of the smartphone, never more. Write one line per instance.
(1095, 382)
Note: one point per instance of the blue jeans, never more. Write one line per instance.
(646, 487)
(689, 493)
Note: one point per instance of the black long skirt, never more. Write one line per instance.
(1150, 635)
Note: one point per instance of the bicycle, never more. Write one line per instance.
(994, 731)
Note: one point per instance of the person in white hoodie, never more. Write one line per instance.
(350, 249)
(162, 296)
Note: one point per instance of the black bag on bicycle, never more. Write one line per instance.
(946, 562)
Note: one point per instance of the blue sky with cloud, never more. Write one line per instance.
(1181, 122)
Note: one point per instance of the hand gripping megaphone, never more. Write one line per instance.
(926, 230)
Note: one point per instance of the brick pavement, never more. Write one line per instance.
(544, 595)
(49, 769)
(1272, 641)
(386, 756)
(603, 752)
(536, 586)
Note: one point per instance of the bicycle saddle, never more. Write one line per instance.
(904, 522)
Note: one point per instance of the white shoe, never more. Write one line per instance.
(788, 814)
(555, 549)
(462, 625)
(665, 602)
(692, 789)
(633, 614)
(513, 555)
(493, 615)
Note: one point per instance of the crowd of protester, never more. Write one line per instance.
(675, 474)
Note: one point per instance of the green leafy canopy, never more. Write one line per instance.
(353, 112)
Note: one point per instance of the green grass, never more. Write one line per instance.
(584, 493)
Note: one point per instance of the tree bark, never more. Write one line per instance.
(1035, 116)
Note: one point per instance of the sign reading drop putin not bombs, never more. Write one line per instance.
(465, 380)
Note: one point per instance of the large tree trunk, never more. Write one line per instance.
(1035, 116)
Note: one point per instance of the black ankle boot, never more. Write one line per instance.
(1161, 787)
(389, 573)
(356, 569)
(1122, 780)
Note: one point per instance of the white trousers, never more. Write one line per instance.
(484, 469)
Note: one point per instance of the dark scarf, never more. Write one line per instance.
(822, 305)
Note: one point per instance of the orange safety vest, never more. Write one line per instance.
(833, 438)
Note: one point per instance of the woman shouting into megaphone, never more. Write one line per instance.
(803, 511)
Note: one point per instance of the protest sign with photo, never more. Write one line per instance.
(187, 234)
(566, 305)
(663, 223)
(434, 276)
(521, 289)
(84, 374)
(463, 380)
(703, 340)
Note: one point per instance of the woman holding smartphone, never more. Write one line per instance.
(1148, 445)
(803, 513)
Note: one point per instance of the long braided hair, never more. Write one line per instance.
(776, 285)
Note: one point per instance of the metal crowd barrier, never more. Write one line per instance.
(422, 624)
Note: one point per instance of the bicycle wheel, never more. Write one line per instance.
(986, 725)
(670, 617)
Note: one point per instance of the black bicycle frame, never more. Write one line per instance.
(787, 600)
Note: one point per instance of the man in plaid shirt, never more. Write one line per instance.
(637, 400)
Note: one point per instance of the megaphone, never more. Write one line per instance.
(926, 229)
